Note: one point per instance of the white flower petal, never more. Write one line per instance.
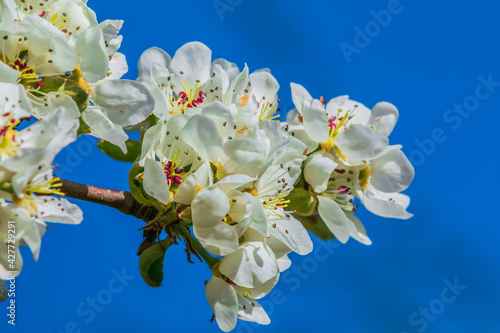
(192, 63)
(384, 117)
(292, 233)
(201, 133)
(284, 263)
(359, 142)
(387, 204)
(357, 229)
(264, 86)
(251, 265)
(155, 181)
(94, 62)
(244, 156)
(150, 57)
(222, 116)
(209, 207)
(232, 182)
(258, 217)
(199, 179)
(110, 30)
(224, 303)
(299, 94)
(251, 310)
(117, 66)
(126, 102)
(8, 74)
(391, 172)
(60, 211)
(315, 120)
(334, 218)
(230, 68)
(317, 170)
(220, 239)
(103, 128)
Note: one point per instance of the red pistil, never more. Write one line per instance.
(343, 189)
(228, 280)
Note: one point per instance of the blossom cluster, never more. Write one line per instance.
(218, 151)
(59, 78)
(213, 159)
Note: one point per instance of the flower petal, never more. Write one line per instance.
(126, 102)
(251, 310)
(299, 94)
(103, 128)
(384, 117)
(334, 218)
(201, 133)
(209, 207)
(199, 179)
(191, 63)
(224, 303)
(244, 156)
(360, 142)
(155, 182)
(387, 204)
(253, 264)
(292, 233)
(315, 120)
(149, 58)
(317, 170)
(220, 239)
(392, 172)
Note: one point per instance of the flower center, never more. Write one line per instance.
(44, 187)
(336, 124)
(339, 188)
(274, 204)
(267, 112)
(188, 98)
(8, 135)
(172, 170)
(56, 20)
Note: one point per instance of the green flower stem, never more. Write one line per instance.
(211, 261)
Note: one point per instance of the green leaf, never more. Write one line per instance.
(133, 150)
(303, 202)
(151, 263)
(315, 224)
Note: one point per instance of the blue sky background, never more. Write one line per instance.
(428, 58)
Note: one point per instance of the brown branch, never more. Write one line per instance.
(120, 200)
